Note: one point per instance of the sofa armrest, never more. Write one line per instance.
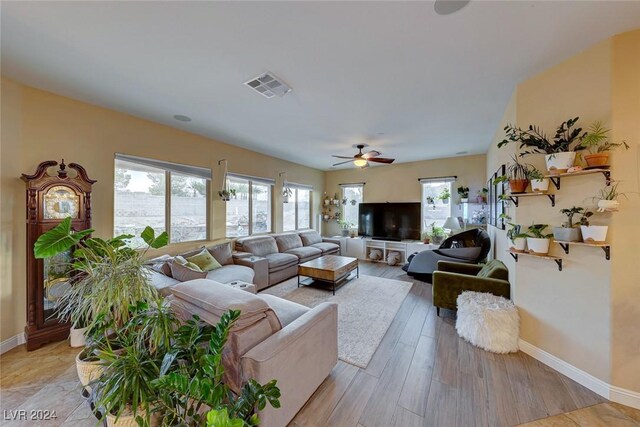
(299, 356)
(331, 240)
(238, 255)
(459, 267)
(260, 268)
(447, 286)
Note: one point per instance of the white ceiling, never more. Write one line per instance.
(412, 84)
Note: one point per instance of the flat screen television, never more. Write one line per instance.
(389, 221)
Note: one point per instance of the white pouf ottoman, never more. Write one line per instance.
(488, 321)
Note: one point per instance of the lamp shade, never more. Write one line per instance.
(360, 162)
(451, 223)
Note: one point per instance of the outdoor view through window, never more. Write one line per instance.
(250, 196)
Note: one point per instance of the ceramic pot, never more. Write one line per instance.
(608, 205)
(560, 162)
(598, 159)
(518, 244)
(464, 200)
(564, 234)
(538, 246)
(594, 233)
(77, 337)
(540, 185)
(128, 420)
(518, 185)
(88, 370)
(345, 232)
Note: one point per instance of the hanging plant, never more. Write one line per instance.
(226, 195)
(344, 201)
(286, 193)
(353, 202)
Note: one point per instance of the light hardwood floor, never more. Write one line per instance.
(422, 374)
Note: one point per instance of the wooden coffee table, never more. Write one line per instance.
(328, 270)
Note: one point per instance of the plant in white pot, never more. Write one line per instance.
(538, 241)
(445, 195)
(570, 231)
(592, 233)
(517, 238)
(607, 198)
(437, 234)
(597, 143)
(344, 227)
(539, 184)
(559, 152)
(463, 192)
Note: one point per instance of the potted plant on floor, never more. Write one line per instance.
(559, 153)
(344, 227)
(570, 231)
(597, 143)
(539, 184)
(517, 238)
(537, 241)
(463, 192)
(445, 195)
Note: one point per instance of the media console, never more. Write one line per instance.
(360, 248)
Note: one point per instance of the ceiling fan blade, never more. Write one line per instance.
(342, 163)
(341, 157)
(372, 153)
(381, 160)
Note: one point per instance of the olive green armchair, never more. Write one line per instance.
(453, 278)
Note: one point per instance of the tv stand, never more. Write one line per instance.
(387, 239)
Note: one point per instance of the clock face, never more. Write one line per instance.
(61, 202)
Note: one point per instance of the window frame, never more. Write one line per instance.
(250, 181)
(343, 187)
(167, 167)
(294, 190)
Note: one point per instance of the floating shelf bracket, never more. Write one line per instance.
(551, 197)
(557, 260)
(515, 202)
(556, 179)
(606, 249)
(514, 256)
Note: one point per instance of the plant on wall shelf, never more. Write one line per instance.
(517, 175)
(537, 240)
(463, 192)
(607, 198)
(570, 231)
(517, 238)
(445, 195)
(538, 182)
(597, 143)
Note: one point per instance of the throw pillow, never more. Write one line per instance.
(205, 261)
(183, 273)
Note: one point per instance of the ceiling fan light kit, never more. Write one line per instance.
(362, 160)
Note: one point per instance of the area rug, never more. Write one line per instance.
(366, 308)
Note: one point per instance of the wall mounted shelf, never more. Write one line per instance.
(557, 260)
(605, 247)
(555, 179)
(514, 197)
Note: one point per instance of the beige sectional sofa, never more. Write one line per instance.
(273, 339)
(278, 255)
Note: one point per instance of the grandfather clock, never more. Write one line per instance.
(50, 199)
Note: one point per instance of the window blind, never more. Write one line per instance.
(438, 179)
(299, 186)
(353, 184)
(256, 179)
(168, 166)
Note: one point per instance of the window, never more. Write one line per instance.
(142, 198)
(249, 211)
(296, 214)
(435, 208)
(352, 196)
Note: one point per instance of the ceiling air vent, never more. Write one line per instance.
(268, 85)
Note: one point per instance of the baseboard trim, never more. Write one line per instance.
(11, 343)
(606, 390)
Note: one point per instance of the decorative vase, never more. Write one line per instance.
(88, 370)
(518, 244)
(594, 233)
(518, 185)
(608, 205)
(565, 234)
(598, 159)
(540, 185)
(560, 162)
(77, 337)
(538, 246)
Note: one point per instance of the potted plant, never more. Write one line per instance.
(431, 201)
(327, 200)
(445, 195)
(517, 175)
(592, 233)
(345, 226)
(437, 234)
(287, 193)
(463, 192)
(539, 184)
(608, 198)
(570, 231)
(353, 202)
(597, 143)
(518, 239)
(425, 237)
(537, 241)
(227, 194)
(559, 155)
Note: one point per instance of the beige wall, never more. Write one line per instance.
(399, 183)
(588, 314)
(38, 125)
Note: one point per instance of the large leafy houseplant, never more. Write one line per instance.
(190, 389)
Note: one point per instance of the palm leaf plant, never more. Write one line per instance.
(598, 144)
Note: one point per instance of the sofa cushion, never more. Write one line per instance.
(257, 245)
(161, 264)
(222, 253)
(287, 311)
(161, 282)
(305, 252)
(494, 269)
(183, 273)
(204, 260)
(280, 261)
(310, 237)
(287, 241)
(469, 254)
(326, 247)
(229, 273)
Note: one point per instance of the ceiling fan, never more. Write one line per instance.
(362, 159)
